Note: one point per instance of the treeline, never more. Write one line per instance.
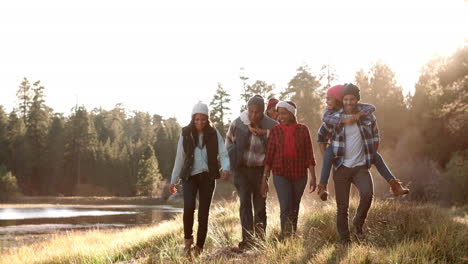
(111, 150)
(128, 153)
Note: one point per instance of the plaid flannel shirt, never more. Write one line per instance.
(369, 133)
(295, 168)
(331, 119)
(254, 154)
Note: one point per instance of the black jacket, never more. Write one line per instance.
(211, 138)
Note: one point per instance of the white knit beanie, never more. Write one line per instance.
(287, 106)
(200, 108)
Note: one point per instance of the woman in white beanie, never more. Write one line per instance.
(289, 155)
(196, 164)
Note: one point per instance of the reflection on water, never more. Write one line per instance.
(53, 212)
(31, 222)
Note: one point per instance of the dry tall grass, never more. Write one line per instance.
(396, 233)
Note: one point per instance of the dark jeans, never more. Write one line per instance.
(361, 178)
(289, 196)
(248, 184)
(379, 163)
(204, 185)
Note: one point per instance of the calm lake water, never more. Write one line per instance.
(19, 226)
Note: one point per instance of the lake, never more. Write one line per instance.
(19, 226)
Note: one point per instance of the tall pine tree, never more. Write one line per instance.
(24, 95)
(37, 126)
(54, 161)
(258, 87)
(3, 137)
(379, 87)
(148, 173)
(220, 109)
(80, 147)
(303, 91)
(18, 153)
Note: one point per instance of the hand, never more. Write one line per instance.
(225, 175)
(172, 188)
(312, 184)
(356, 117)
(252, 130)
(348, 120)
(321, 188)
(260, 132)
(264, 188)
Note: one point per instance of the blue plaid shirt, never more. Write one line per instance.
(369, 133)
(329, 117)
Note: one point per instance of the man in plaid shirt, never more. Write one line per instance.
(354, 146)
(247, 153)
(369, 132)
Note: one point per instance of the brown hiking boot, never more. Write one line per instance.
(197, 251)
(359, 234)
(396, 188)
(345, 242)
(246, 244)
(188, 247)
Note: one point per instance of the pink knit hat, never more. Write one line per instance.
(272, 103)
(335, 92)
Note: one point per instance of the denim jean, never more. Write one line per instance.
(326, 165)
(248, 183)
(289, 196)
(204, 185)
(379, 163)
(382, 168)
(361, 178)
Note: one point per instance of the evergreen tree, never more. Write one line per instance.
(327, 76)
(245, 95)
(303, 91)
(37, 127)
(148, 172)
(114, 122)
(3, 137)
(379, 87)
(18, 153)
(167, 137)
(55, 151)
(140, 128)
(80, 147)
(220, 109)
(8, 184)
(24, 95)
(98, 116)
(439, 107)
(258, 87)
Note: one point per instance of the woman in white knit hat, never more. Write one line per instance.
(289, 155)
(196, 165)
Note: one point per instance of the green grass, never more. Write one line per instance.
(396, 233)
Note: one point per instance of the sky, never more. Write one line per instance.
(162, 57)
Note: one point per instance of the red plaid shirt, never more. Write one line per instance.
(296, 167)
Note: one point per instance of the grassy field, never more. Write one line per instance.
(396, 233)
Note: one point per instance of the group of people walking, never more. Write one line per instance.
(263, 142)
